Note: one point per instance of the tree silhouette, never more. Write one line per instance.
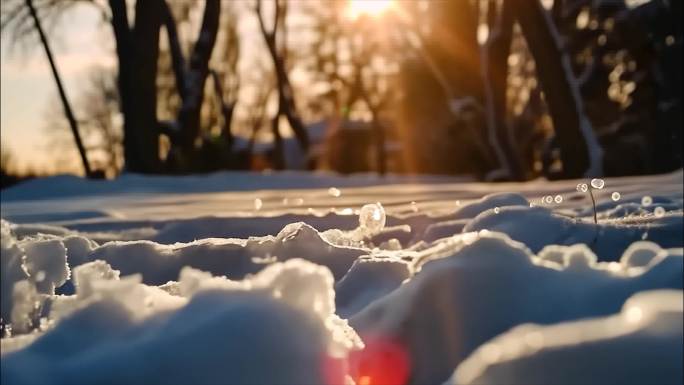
(286, 102)
(16, 16)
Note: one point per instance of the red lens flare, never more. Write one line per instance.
(384, 361)
(334, 370)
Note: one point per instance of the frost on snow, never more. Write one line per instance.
(514, 284)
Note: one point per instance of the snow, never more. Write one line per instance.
(214, 320)
(482, 284)
(649, 325)
(341, 280)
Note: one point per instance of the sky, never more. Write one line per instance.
(79, 42)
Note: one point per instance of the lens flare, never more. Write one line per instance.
(383, 361)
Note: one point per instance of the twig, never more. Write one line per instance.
(593, 206)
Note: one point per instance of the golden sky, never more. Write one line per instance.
(79, 42)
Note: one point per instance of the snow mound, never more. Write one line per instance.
(481, 284)
(234, 258)
(11, 269)
(369, 279)
(490, 202)
(277, 326)
(601, 350)
(640, 254)
(30, 268)
(222, 278)
(543, 227)
(46, 263)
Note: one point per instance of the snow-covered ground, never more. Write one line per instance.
(297, 278)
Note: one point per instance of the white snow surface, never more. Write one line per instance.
(285, 278)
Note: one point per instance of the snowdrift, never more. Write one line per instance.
(298, 279)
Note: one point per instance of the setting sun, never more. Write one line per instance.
(358, 8)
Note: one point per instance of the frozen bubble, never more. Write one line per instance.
(414, 206)
(372, 218)
(496, 210)
(646, 201)
(257, 204)
(333, 191)
(597, 183)
(615, 196)
(558, 199)
(582, 187)
(659, 211)
(548, 199)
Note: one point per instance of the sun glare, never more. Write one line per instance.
(358, 8)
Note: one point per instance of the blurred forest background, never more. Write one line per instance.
(496, 89)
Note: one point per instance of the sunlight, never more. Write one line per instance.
(358, 8)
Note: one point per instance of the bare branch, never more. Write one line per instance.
(269, 36)
(276, 17)
(177, 59)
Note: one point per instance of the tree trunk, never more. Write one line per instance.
(189, 115)
(177, 59)
(124, 53)
(226, 109)
(580, 153)
(286, 102)
(62, 93)
(278, 150)
(137, 52)
(495, 65)
(289, 108)
(499, 48)
(148, 20)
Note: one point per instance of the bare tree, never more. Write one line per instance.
(97, 111)
(341, 55)
(137, 50)
(226, 77)
(580, 152)
(98, 106)
(19, 16)
(192, 92)
(286, 102)
(494, 61)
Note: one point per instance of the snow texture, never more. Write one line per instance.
(608, 349)
(332, 280)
